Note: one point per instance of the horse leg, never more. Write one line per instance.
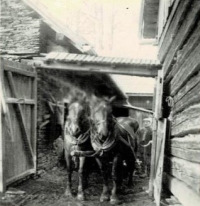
(68, 192)
(116, 180)
(104, 194)
(131, 168)
(80, 195)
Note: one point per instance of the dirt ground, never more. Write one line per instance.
(48, 190)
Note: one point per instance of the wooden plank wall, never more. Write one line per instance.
(180, 55)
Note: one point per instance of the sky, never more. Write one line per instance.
(112, 28)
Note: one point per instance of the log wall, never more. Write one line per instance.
(180, 55)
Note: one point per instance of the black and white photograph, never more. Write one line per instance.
(99, 102)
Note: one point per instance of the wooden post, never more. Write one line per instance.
(2, 144)
(157, 103)
(153, 158)
(153, 148)
(34, 122)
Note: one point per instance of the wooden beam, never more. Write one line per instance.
(19, 176)
(153, 157)
(159, 163)
(2, 141)
(134, 108)
(10, 100)
(20, 71)
(154, 140)
(144, 71)
(21, 119)
(34, 123)
(185, 194)
(159, 95)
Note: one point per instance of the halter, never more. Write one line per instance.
(82, 138)
(105, 146)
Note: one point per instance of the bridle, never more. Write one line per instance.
(79, 137)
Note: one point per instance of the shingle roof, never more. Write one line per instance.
(75, 58)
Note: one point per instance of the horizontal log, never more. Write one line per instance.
(187, 122)
(185, 52)
(188, 88)
(182, 34)
(185, 171)
(187, 154)
(192, 97)
(184, 74)
(173, 28)
(189, 127)
(191, 141)
(190, 113)
(184, 193)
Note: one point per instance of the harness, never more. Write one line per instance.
(123, 140)
(111, 141)
(107, 145)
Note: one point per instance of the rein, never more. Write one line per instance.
(82, 138)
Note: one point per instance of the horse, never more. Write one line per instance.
(114, 139)
(76, 137)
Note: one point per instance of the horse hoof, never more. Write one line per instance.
(104, 197)
(80, 197)
(114, 200)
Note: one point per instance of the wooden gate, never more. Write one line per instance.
(18, 118)
(158, 146)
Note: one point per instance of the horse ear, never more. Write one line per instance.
(112, 99)
(93, 99)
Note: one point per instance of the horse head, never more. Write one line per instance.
(101, 114)
(77, 118)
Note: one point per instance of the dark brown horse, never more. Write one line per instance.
(114, 140)
(76, 138)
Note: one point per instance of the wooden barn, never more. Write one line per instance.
(175, 27)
